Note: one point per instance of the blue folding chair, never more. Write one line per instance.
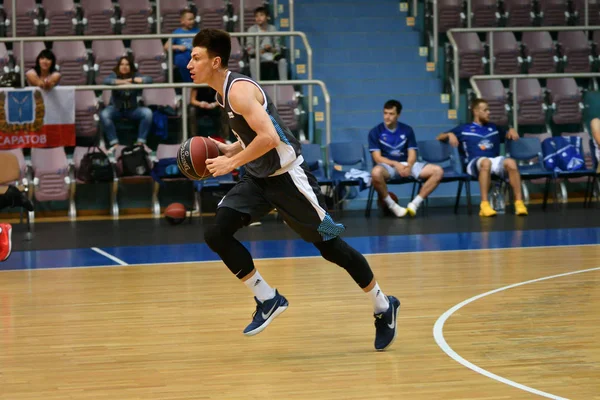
(447, 157)
(313, 156)
(344, 156)
(527, 152)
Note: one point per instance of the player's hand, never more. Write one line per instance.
(512, 135)
(403, 170)
(452, 139)
(204, 104)
(225, 149)
(221, 165)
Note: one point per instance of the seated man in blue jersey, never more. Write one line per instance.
(480, 140)
(595, 128)
(394, 150)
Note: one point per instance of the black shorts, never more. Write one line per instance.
(297, 197)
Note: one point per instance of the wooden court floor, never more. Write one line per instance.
(174, 331)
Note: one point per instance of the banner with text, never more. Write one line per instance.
(32, 117)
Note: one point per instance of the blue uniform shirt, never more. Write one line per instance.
(479, 140)
(187, 42)
(393, 145)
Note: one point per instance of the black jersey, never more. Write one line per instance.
(276, 161)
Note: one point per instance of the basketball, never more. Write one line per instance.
(175, 213)
(192, 156)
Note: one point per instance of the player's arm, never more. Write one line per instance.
(228, 150)
(512, 134)
(449, 137)
(246, 99)
(33, 79)
(379, 159)
(412, 157)
(595, 127)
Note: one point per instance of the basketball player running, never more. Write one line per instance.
(276, 177)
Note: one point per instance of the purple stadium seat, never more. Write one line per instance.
(530, 102)
(71, 58)
(50, 170)
(506, 53)
(575, 47)
(566, 99)
(471, 53)
(519, 12)
(27, 14)
(540, 50)
(107, 53)
(160, 97)
(554, 12)
(61, 16)
(150, 58)
(248, 12)
(99, 17)
(541, 137)
(484, 13)
(285, 99)
(493, 92)
(450, 14)
(4, 58)
(593, 12)
(170, 14)
(86, 108)
(236, 55)
(31, 50)
(138, 16)
(211, 13)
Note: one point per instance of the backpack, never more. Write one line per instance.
(563, 153)
(134, 161)
(165, 168)
(95, 167)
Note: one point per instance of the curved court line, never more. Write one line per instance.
(438, 334)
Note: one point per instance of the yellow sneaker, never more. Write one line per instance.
(486, 210)
(520, 208)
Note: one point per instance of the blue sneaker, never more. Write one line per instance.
(385, 325)
(265, 313)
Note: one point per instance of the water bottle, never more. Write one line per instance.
(498, 202)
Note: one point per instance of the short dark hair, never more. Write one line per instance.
(261, 9)
(217, 43)
(50, 56)
(476, 102)
(186, 11)
(393, 103)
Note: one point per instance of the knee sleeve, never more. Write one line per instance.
(227, 223)
(339, 252)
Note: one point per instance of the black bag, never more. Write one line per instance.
(95, 167)
(134, 161)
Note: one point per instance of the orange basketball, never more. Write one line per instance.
(175, 213)
(192, 156)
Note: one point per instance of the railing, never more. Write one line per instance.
(435, 32)
(473, 80)
(456, 60)
(184, 102)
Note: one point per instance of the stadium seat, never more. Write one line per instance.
(78, 154)
(165, 151)
(506, 53)
(106, 54)
(540, 52)
(135, 180)
(593, 12)
(150, 58)
(471, 54)
(566, 99)
(484, 13)
(237, 52)
(61, 17)
(285, 99)
(4, 57)
(99, 17)
(170, 14)
(494, 93)
(72, 60)
(554, 12)
(576, 51)
(344, 156)
(248, 12)
(138, 17)
(588, 174)
(450, 15)
(165, 97)
(31, 50)
(27, 16)
(531, 109)
(52, 181)
(86, 115)
(211, 13)
(519, 12)
(313, 156)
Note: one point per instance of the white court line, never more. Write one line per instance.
(109, 256)
(438, 334)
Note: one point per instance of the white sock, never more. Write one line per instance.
(260, 287)
(389, 201)
(379, 299)
(417, 201)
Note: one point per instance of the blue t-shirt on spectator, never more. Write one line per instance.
(187, 42)
(393, 145)
(479, 140)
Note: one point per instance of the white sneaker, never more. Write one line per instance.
(397, 210)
